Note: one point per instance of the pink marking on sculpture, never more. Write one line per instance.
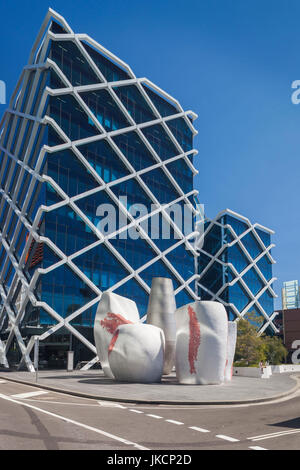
(112, 321)
(113, 341)
(226, 364)
(195, 339)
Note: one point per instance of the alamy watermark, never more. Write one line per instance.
(2, 92)
(296, 94)
(296, 353)
(154, 221)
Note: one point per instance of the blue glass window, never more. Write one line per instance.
(134, 150)
(55, 81)
(266, 267)
(164, 107)
(182, 174)
(64, 291)
(104, 160)
(90, 204)
(267, 302)
(135, 103)
(183, 261)
(266, 237)
(160, 186)
(238, 226)
(136, 252)
(160, 141)
(110, 70)
(72, 63)
(182, 133)
(214, 278)
(252, 280)
(68, 114)
(158, 226)
(101, 267)
(134, 193)
(183, 298)
(56, 28)
(133, 290)
(238, 296)
(69, 173)
(251, 245)
(158, 269)
(237, 257)
(213, 240)
(105, 109)
(53, 137)
(67, 230)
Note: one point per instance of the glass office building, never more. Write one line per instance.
(290, 295)
(82, 136)
(235, 268)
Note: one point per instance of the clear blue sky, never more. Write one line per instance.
(230, 61)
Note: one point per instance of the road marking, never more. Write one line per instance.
(155, 416)
(257, 448)
(199, 429)
(77, 423)
(174, 422)
(136, 411)
(227, 438)
(273, 435)
(65, 403)
(3, 381)
(29, 394)
(108, 404)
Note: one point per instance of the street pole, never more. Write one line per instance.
(36, 357)
(70, 356)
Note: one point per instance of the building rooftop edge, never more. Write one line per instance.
(242, 217)
(54, 14)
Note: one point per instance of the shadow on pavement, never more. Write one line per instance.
(291, 423)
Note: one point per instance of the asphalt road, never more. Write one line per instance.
(35, 419)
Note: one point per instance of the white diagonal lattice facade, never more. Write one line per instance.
(83, 132)
(235, 267)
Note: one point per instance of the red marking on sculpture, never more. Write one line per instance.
(195, 339)
(112, 321)
(226, 364)
(113, 342)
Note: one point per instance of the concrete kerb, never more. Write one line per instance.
(159, 402)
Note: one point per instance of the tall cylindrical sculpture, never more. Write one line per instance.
(161, 313)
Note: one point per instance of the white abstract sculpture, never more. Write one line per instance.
(113, 310)
(201, 343)
(231, 344)
(136, 353)
(161, 313)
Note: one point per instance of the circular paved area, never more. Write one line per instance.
(94, 384)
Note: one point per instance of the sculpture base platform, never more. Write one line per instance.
(92, 384)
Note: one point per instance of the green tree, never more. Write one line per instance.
(275, 350)
(250, 348)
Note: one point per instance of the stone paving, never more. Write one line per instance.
(93, 384)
